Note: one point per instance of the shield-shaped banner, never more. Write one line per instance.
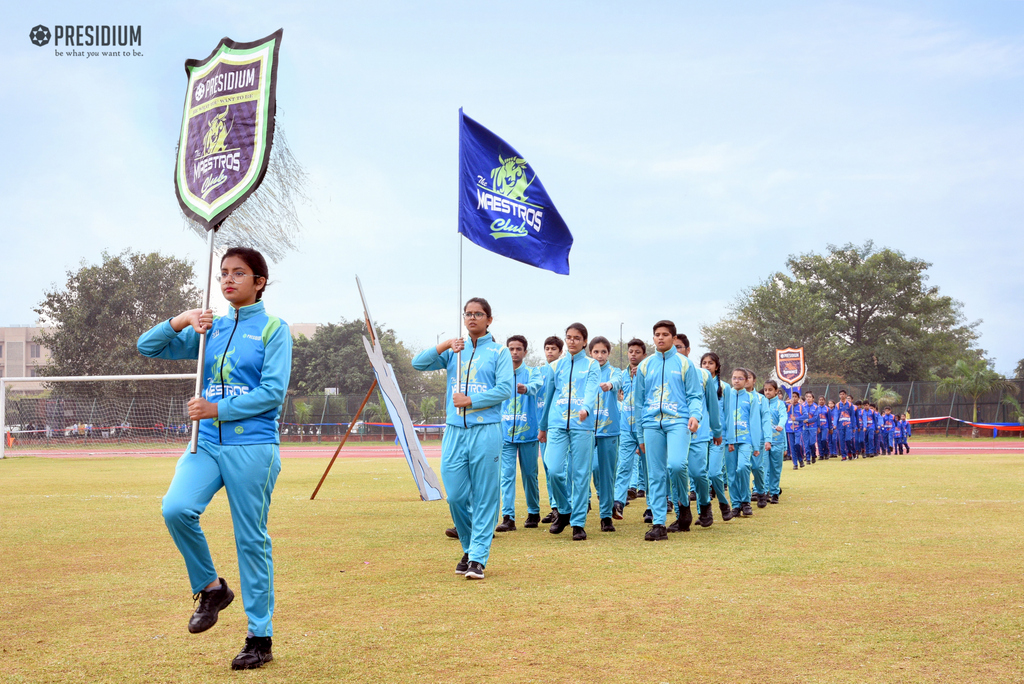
(790, 366)
(228, 127)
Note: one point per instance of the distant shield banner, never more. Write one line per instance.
(790, 366)
(228, 127)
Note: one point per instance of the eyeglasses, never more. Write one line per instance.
(573, 339)
(236, 277)
(470, 315)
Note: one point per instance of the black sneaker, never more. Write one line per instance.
(617, 510)
(648, 517)
(656, 533)
(668, 511)
(693, 496)
(532, 520)
(550, 517)
(451, 532)
(507, 525)
(210, 604)
(726, 511)
(474, 571)
(255, 653)
(462, 565)
(746, 510)
(774, 499)
(713, 496)
(736, 512)
(560, 523)
(630, 494)
(762, 500)
(704, 518)
(641, 494)
(606, 525)
(578, 534)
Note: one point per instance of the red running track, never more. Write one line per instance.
(434, 451)
(308, 451)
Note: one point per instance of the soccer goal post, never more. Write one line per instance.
(95, 414)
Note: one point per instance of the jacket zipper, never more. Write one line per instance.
(515, 401)
(568, 410)
(468, 365)
(223, 359)
(661, 398)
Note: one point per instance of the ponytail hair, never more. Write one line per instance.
(718, 370)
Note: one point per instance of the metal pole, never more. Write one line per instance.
(347, 433)
(194, 444)
(950, 412)
(910, 394)
(827, 385)
(323, 413)
(458, 378)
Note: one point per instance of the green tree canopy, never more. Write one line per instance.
(859, 313)
(97, 315)
(973, 378)
(335, 357)
(1019, 372)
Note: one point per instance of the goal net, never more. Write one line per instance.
(84, 415)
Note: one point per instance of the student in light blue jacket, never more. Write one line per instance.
(710, 429)
(552, 351)
(672, 401)
(520, 427)
(717, 474)
(606, 429)
(629, 445)
(245, 376)
(759, 463)
(567, 425)
(480, 379)
(778, 417)
(744, 437)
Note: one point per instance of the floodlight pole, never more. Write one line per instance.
(194, 443)
(351, 424)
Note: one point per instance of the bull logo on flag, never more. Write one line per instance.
(790, 366)
(495, 211)
(227, 129)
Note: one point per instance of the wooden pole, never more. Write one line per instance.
(351, 424)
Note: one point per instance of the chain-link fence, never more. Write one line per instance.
(325, 418)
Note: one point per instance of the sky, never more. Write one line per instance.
(691, 147)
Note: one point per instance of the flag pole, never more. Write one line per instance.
(458, 378)
(194, 443)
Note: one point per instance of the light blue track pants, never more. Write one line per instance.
(737, 463)
(569, 457)
(759, 469)
(698, 467)
(526, 453)
(775, 459)
(627, 460)
(547, 477)
(607, 452)
(248, 473)
(716, 472)
(470, 471)
(668, 452)
(638, 479)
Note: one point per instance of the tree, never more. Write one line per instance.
(881, 396)
(96, 318)
(428, 408)
(1019, 373)
(860, 313)
(973, 378)
(335, 357)
(303, 412)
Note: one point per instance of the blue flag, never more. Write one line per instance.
(503, 206)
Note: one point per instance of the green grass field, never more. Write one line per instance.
(894, 569)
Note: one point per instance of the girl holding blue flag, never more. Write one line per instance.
(478, 383)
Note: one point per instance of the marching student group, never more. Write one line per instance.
(664, 428)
